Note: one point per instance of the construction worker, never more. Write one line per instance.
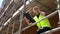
(43, 25)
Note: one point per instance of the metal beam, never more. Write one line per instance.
(58, 7)
(51, 31)
(21, 16)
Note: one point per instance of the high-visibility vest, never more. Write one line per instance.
(43, 23)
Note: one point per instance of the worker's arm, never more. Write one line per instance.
(28, 21)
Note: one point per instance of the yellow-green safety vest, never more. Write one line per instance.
(43, 23)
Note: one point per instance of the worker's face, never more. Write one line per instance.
(36, 11)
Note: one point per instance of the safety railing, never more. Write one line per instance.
(51, 31)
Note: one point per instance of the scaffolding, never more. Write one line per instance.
(50, 15)
(21, 11)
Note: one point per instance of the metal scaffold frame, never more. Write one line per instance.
(6, 8)
(21, 16)
(15, 14)
(48, 16)
(13, 23)
(59, 8)
(5, 11)
(8, 29)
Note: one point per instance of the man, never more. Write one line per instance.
(43, 25)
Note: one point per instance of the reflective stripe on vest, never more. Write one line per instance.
(43, 23)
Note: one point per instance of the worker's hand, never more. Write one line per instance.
(30, 24)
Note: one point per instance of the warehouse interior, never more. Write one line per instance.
(12, 22)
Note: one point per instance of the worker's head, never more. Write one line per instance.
(36, 10)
